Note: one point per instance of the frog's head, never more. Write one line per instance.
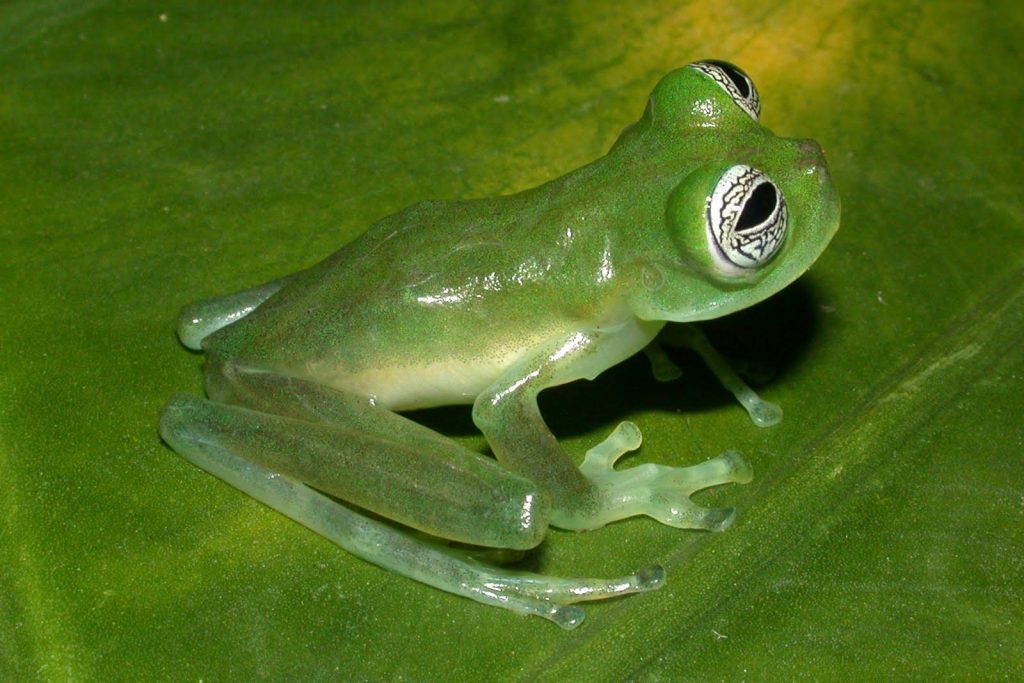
(751, 211)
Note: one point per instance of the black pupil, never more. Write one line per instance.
(735, 75)
(758, 208)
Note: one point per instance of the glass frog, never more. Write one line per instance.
(695, 212)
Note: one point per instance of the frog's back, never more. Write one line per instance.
(415, 300)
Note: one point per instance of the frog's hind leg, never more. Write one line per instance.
(202, 318)
(340, 444)
(449, 494)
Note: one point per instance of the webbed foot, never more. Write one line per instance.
(657, 491)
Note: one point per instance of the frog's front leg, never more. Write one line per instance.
(594, 494)
(762, 413)
(280, 439)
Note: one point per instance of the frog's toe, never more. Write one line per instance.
(718, 519)
(728, 468)
(683, 514)
(566, 616)
(763, 413)
(602, 457)
(733, 467)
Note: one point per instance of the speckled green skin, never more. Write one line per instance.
(487, 302)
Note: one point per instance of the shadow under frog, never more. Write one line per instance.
(696, 212)
(763, 341)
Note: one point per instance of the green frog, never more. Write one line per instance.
(695, 212)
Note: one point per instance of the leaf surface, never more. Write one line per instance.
(156, 153)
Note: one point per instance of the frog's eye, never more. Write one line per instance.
(746, 219)
(732, 80)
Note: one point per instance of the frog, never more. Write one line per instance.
(696, 211)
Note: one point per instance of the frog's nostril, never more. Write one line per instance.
(811, 150)
(809, 145)
(811, 157)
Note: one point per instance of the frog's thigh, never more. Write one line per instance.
(202, 318)
(378, 460)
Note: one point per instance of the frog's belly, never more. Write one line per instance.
(409, 383)
(398, 386)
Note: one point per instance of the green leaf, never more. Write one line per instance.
(155, 153)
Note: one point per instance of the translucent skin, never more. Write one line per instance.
(488, 302)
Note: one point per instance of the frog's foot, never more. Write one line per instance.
(655, 490)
